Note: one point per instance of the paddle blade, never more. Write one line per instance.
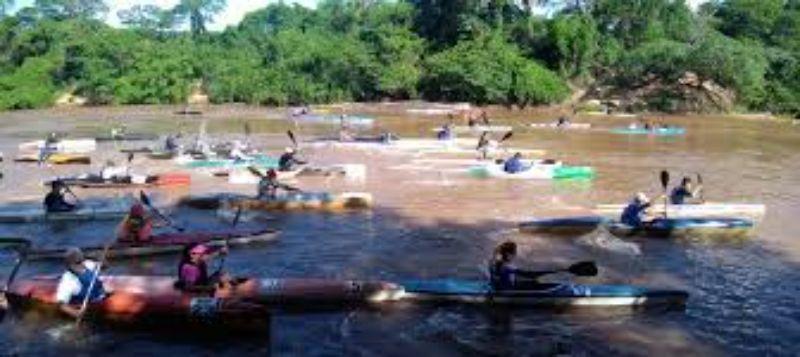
(507, 136)
(587, 268)
(143, 197)
(236, 218)
(699, 179)
(482, 141)
(130, 157)
(291, 137)
(247, 130)
(664, 179)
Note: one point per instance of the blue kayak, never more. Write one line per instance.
(566, 295)
(669, 131)
(659, 227)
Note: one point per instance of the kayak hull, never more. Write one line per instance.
(68, 146)
(550, 296)
(127, 137)
(653, 132)
(306, 201)
(171, 179)
(167, 243)
(57, 159)
(38, 214)
(536, 171)
(728, 228)
(710, 209)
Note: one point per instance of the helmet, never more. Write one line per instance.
(641, 197)
(137, 210)
(288, 150)
(199, 249)
(272, 174)
(73, 255)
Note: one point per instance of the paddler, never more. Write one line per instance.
(268, 186)
(445, 133)
(237, 151)
(288, 160)
(193, 269)
(137, 227)
(514, 164)
(74, 286)
(635, 213)
(503, 275)
(55, 200)
(171, 143)
(685, 190)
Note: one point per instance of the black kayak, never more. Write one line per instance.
(127, 137)
(657, 228)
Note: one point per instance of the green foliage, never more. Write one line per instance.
(484, 51)
(489, 70)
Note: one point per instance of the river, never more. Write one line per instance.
(428, 223)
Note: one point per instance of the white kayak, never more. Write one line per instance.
(570, 126)
(245, 177)
(478, 129)
(536, 170)
(32, 214)
(708, 209)
(73, 146)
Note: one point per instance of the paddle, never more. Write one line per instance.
(21, 257)
(700, 187)
(69, 190)
(292, 138)
(146, 200)
(506, 137)
(482, 140)
(664, 184)
(257, 172)
(585, 268)
(95, 276)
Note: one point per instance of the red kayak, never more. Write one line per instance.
(166, 243)
(137, 298)
(146, 301)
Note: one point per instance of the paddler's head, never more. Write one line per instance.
(56, 185)
(506, 251)
(288, 150)
(271, 174)
(518, 155)
(641, 198)
(137, 211)
(198, 253)
(74, 257)
(686, 182)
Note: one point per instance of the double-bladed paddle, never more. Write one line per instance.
(700, 187)
(146, 200)
(584, 268)
(664, 183)
(255, 171)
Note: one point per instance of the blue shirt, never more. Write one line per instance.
(444, 134)
(679, 195)
(513, 165)
(633, 214)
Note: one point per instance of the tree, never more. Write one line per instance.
(149, 18)
(72, 9)
(199, 13)
(5, 6)
(749, 18)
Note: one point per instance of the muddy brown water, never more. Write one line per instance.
(439, 223)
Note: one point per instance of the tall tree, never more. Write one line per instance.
(5, 6)
(199, 13)
(72, 9)
(147, 18)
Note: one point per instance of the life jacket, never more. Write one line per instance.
(136, 229)
(86, 277)
(202, 280)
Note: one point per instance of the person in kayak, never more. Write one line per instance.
(137, 227)
(683, 191)
(503, 275)
(55, 201)
(193, 269)
(269, 185)
(514, 164)
(288, 160)
(171, 143)
(635, 213)
(79, 282)
(445, 133)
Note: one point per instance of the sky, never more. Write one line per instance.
(234, 12)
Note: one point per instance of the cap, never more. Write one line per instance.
(641, 197)
(137, 210)
(289, 150)
(199, 249)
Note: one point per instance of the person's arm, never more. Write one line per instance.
(64, 291)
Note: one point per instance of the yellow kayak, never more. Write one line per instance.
(57, 159)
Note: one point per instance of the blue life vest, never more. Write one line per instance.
(513, 165)
(86, 277)
(678, 195)
(632, 214)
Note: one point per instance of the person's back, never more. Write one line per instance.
(54, 201)
(268, 186)
(633, 213)
(514, 165)
(681, 192)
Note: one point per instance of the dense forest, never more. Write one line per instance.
(644, 55)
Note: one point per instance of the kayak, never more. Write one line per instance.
(708, 209)
(245, 177)
(292, 201)
(670, 131)
(571, 126)
(127, 137)
(146, 301)
(95, 181)
(57, 159)
(335, 119)
(358, 171)
(165, 243)
(162, 155)
(74, 146)
(558, 296)
(111, 210)
(536, 171)
(478, 129)
(261, 161)
(657, 228)
(155, 297)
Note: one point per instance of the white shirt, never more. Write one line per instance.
(69, 285)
